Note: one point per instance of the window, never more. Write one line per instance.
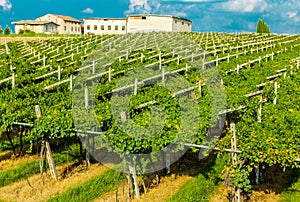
(75, 29)
(109, 27)
(95, 27)
(143, 17)
(182, 23)
(175, 21)
(123, 28)
(65, 28)
(88, 27)
(189, 24)
(102, 27)
(116, 27)
(72, 29)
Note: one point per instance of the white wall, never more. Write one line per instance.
(65, 27)
(181, 25)
(151, 23)
(101, 26)
(34, 28)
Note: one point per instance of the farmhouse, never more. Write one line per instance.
(50, 23)
(105, 25)
(137, 23)
(153, 22)
(67, 24)
(36, 26)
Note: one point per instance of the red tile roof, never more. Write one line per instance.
(33, 22)
(67, 18)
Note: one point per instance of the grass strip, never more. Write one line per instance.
(203, 185)
(292, 191)
(22, 171)
(91, 189)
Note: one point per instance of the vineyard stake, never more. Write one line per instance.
(48, 152)
(275, 89)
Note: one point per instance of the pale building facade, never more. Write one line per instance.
(137, 23)
(40, 27)
(152, 22)
(67, 24)
(104, 25)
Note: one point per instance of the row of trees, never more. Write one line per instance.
(6, 30)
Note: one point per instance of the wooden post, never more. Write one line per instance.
(50, 160)
(233, 143)
(86, 104)
(142, 57)
(236, 192)
(259, 113)
(93, 67)
(228, 58)
(200, 88)
(237, 68)
(13, 80)
(275, 90)
(59, 73)
(168, 161)
(135, 180)
(86, 98)
(135, 86)
(159, 57)
(71, 83)
(109, 74)
(163, 75)
(48, 151)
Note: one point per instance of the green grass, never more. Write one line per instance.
(22, 171)
(292, 190)
(203, 185)
(90, 189)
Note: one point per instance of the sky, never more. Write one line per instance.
(282, 16)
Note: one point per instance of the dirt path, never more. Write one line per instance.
(182, 172)
(221, 195)
(22, 192)
(14, 161)
(168, 186)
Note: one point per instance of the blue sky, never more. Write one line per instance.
(282, 16)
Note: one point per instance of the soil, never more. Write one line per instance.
(14, 161)
(68, 176)
(160, 186)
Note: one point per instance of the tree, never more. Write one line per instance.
(1, 30)
(7, 30)
(262, 27)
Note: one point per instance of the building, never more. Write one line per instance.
(153, 22)
(137, 23)
(67, 24)
(104, 25)
(36, 26)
